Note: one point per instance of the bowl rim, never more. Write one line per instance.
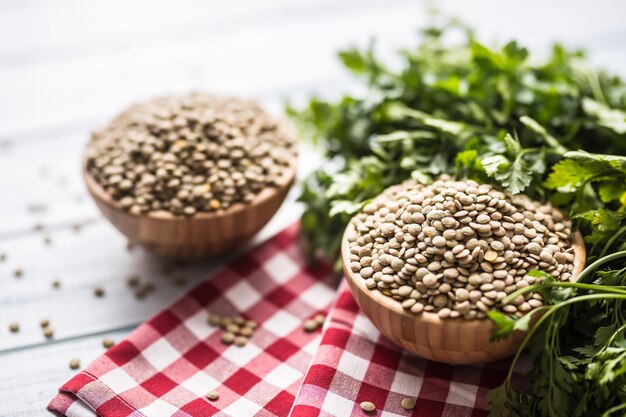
(429, 317)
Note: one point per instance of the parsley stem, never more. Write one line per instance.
(614, 335)
(611, 410)
(521, 291)
(553, 309)
(610, 242)
(589, 269)
(590, 287)
(578, 284)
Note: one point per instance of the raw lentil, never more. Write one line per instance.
(108, 343)
(18, 272)
(368, 406)
(320, 319)
(189, 154)
(56, 284)
(246, 331)
(48, 332)
(14, 327)
(470, 246)
(214, 320)
(408, 403)
(310, 325)
(98, 292)
(228, 338)
(213, 395)
(44, 323)
(132, 281)
(241, 341)
(74, 363)
(144, 290)
(232, 328)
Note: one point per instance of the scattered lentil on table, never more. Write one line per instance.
(132, 281)
(236, 329)
(228, 338)
(246, 331)
(232, 328)
(213, 395)
(19, 272)
(145, 289)
(310, 325)
(314, 323)
(189, 154)
(408, 403)
(319, 319)
(56, 284)
(48, 332)
(98, 292)
(241, 341)
(14, 327)
(368, 406)
(44, 323)
(74, 363)
(108, 343)
(458, 248)
(214, 320)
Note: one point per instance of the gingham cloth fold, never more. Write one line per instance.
(167, 365)
(354, 363)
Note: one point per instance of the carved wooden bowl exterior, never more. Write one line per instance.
(451, 341)
(202, 235)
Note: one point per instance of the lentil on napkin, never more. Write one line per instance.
(355, 364)
(167, 366)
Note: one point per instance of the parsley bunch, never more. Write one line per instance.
(578, 342)
(554, 129)
(493, 114)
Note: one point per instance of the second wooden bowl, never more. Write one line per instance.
(202, 235)
(451, 341)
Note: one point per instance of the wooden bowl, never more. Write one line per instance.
(202, 235)
(451, 341)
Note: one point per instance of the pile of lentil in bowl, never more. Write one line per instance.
(457, 248)
(191, 153)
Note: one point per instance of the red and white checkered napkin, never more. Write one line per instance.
(354, 363)
(166, 366)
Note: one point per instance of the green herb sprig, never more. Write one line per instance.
(554, 129)
(492, 114)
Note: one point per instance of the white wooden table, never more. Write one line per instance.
(69, 65)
